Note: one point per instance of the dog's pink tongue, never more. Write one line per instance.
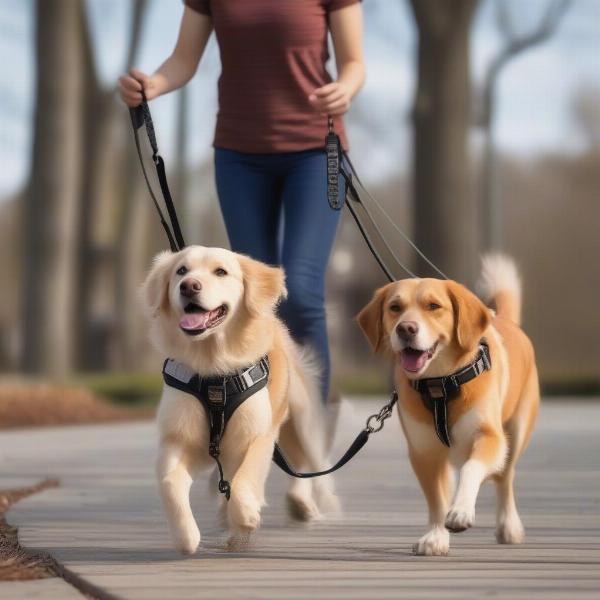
(194, 320)
(413, 361)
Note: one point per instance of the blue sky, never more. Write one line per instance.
(535, 91)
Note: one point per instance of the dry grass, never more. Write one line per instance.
(16, 563)
(24, 404)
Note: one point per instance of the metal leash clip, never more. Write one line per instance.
(382, 415)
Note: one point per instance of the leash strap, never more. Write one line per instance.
(140, 115)
(339, 164)
(374, 424)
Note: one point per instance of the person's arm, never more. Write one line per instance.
(346, 31)
(178, 69)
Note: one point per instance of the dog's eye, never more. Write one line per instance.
(220, 272)
(395, 308)
(433, 306)
(182, 270)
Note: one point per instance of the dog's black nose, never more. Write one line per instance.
(407, 329)
(190, 287)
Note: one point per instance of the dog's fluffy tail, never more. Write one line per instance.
(500, 284)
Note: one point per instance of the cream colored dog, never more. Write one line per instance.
(433, 328)
(214, 311)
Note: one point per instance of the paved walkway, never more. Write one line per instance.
(105, 524)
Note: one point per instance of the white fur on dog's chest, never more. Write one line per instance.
(423, 438)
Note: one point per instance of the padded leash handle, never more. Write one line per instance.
(140, 115)
(333, 150)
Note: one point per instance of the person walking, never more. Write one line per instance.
(275, 98)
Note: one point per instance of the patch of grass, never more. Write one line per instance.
(124, 388)
(364, 383)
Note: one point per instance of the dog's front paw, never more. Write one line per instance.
(510, 530)
(434, 543)
(187, 539)
(459, 518)
(243, 512)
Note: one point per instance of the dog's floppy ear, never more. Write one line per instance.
(471, 315)
(264, 286)
(370, 319)
(155, 288)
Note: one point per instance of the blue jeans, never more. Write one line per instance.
(275, 210)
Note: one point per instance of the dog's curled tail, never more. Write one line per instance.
(500, 284)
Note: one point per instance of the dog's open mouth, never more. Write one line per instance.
(413, 359)
(197, 320)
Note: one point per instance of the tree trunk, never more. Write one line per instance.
(447, 221)
(105, 158)
(50, 211)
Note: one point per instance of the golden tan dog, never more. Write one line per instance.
(433, 328)
(214, 311)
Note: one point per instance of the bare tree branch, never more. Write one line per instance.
(515, 43)
(138, 11)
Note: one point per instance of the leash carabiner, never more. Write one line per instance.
(361, 439)
(382, 415)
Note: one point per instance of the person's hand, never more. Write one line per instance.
(331, 99)
(131, 85)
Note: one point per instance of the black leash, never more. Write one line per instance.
(361, 439)
(339, 164)
(140, 115)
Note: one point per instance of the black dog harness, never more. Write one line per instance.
(221, 396)
(437, 391)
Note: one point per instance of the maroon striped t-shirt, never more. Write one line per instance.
(273, 55)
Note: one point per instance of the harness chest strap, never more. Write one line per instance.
(220, 396)
(437, 391)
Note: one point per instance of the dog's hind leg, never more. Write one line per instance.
(175, 480)
(509, 529)
(300, 501)
(433, 473)
(308, 423)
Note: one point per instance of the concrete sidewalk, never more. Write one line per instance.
(105, 524)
